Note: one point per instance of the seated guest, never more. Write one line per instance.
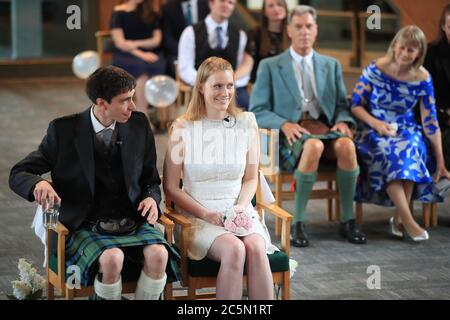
(270, 38)
(215, 36)
(302, 93)
(212, 187)
(437, 62)
(137, 35)
(101, 182)
(176, 16)
(397, 163)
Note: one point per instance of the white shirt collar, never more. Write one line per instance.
(298, 58)
(97, 125)
(211, 24)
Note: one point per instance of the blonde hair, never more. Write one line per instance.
(196, 109)
(413, 36)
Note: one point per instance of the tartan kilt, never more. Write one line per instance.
(84, 247)
(290, 154)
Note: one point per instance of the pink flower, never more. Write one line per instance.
(240, 220)
(230, 225)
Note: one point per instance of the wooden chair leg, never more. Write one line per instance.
(434, 215)
(337, 203)
(50, 291)
(286, 287)
(168, 291)
(359, 207)
(191, 291)
(426, 211)
(69, 293)
(330, 203)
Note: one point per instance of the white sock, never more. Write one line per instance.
(108, 291)
(148, 288)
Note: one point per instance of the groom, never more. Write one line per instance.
(103, 166)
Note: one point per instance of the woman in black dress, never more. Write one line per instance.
(437, 62)
(136, 32)
(270, 38)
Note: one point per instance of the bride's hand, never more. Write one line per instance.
(215, 218)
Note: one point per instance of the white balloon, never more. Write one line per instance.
(85, 63)
(161, 91)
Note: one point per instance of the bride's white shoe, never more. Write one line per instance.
(424, 236)
(393, 230)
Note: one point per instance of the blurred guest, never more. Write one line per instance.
(136, 32)
(176, 16)
(437, 62)
(270, 38)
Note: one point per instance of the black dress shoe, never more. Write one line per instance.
(299, 237)
(350, 231)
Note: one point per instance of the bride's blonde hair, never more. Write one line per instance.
(197, 109)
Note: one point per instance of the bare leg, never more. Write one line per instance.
(155, 257)
(230, 252)
(260, 282)
(345, 152)
(111, 263)
(408, 187)
(396, 192)
(309, 160)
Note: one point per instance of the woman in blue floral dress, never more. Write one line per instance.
(393, 147)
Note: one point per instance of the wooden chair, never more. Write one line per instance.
(185, 90)
(202, 274)
(56, 268)
(429, 213)
(325, 174)
(105, 46)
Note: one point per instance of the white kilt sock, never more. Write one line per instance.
(111, 291)
(148, 288)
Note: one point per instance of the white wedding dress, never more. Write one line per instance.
(214, 163)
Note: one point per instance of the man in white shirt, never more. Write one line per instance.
(302, 93)
(215, 36)
(176, 16)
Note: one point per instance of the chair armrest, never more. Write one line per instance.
(168, 227)
(103, 33)
(276, 211)
(61, 229)
(177, 218)
(286, 219)
(185, 224)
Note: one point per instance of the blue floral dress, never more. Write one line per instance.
(407, 156)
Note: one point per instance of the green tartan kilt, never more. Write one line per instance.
(84, 247)
(290, 154)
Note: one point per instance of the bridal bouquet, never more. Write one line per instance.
(238, 220)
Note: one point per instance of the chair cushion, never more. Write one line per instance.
(279, 262)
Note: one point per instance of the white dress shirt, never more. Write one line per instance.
(97, 125)
(186, 50)
(309, 66)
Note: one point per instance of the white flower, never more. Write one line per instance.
(30, 282)
(292, 267)
(20, 289)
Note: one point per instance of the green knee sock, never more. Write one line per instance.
(346, 181)
(304, 183)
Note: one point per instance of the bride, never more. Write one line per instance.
(214, 148)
